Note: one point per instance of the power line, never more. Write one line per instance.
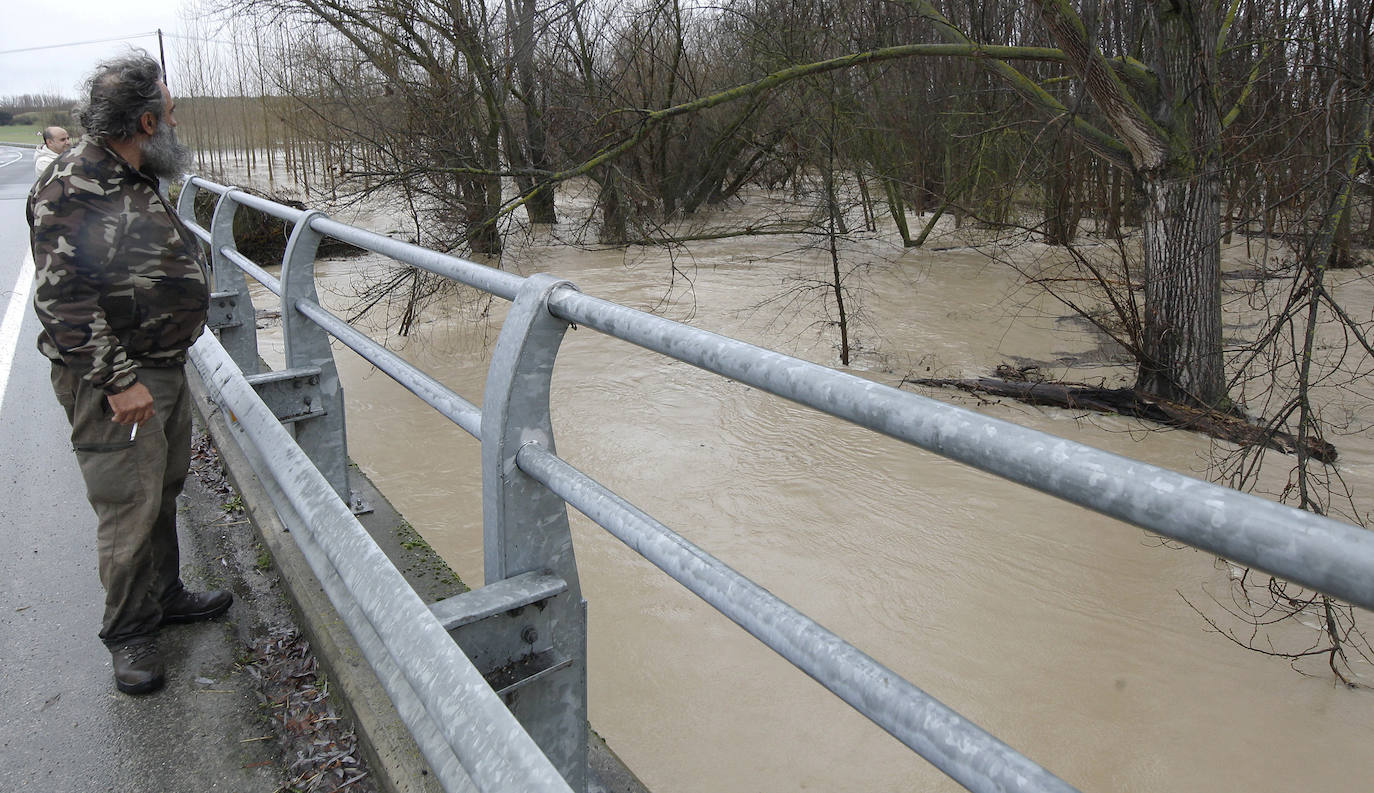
(129, 37)
(80, 43)
(201, 38)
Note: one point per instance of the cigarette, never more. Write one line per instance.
(133, 433)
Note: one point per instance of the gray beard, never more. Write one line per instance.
(163, 156)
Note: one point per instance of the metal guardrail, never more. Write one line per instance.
(534, 658)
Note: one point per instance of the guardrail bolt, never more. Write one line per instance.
(529, 635)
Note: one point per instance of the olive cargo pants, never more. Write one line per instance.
(133, 486)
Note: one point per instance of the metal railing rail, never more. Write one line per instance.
(1318, 552)
(526, 489)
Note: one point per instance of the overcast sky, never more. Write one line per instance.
(30, 24)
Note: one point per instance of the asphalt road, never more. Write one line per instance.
(63, 726)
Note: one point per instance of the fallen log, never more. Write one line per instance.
(1129, 402)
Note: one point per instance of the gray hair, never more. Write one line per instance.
(121, 90)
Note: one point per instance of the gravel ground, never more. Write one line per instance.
(317, 746)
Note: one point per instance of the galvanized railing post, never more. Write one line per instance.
(186, 200)
(308, 347)
(231, 308)
(525, 529)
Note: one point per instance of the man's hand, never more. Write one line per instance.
(133, 405)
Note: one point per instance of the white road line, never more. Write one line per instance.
(8, 156)
(15, 312)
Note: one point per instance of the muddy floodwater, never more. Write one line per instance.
(1066, 634)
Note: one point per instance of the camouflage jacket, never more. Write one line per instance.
(120, 280)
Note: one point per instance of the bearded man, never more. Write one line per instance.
(121, 294)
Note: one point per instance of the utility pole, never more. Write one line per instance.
(162, 56)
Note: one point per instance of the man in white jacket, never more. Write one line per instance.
(55, 141)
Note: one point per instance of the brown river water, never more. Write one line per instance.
(1064, 633)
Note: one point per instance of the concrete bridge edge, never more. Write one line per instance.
(394, 760)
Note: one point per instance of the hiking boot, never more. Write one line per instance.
(137, 667)
(188, 606)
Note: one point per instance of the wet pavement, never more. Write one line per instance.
(67, 728)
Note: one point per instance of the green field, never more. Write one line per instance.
(21, 133)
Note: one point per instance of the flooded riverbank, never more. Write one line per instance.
(1064, 633)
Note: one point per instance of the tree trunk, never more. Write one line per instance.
(1130, 402)
(897, 208)
(1341, 254)
(1126, 202)
(1109, 202)
(1182, 355)
(488, 240)
(532, 152)
(1061, 205)
(866, 201)
(1182, 358)
(483, 236)
(1173, 151)
(930, 224)
(541, 205)
(613, 213)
